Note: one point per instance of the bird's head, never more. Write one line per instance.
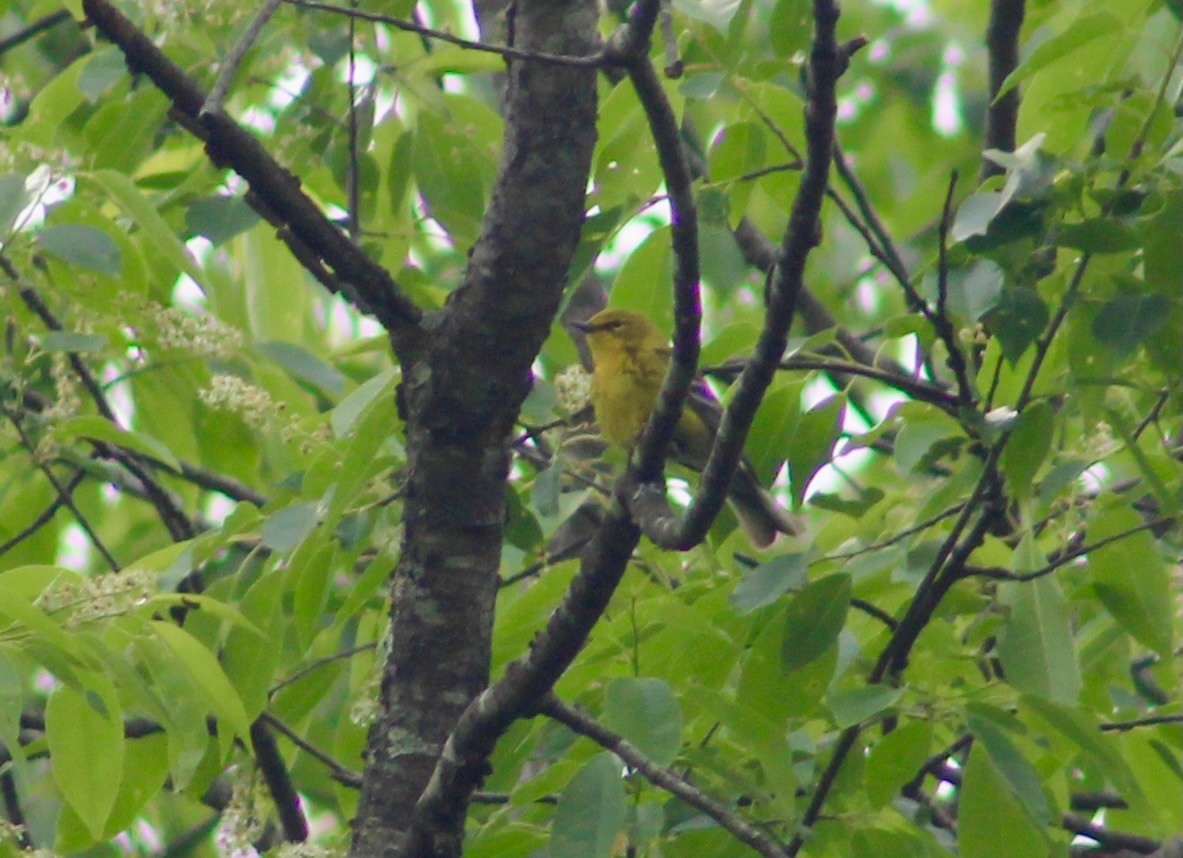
(625, 327)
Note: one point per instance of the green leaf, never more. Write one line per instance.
(305, 366)
(202, 602)
(1020, 317)
(13, 200)
(922, 426)
(206, 674)
(776, 420)
(374, 429)
(1081, 729)
(84, 246)
(975, 214)
(812, 443)
(131, 199)
(1036, 645)
(1018, 773)
(449, 170)
(546, 490)
(643, 283)
(250, 657)
(220, 218)
(852, 706)
(646, 712)
(992, 822)
(1100, 235)
(717, 13)
(769, 581)
(591, 811)
(1030, 441)
(1131, 579)
(975, 292)
(104, 69)
(68, 341)
(287, 528)
(1126, 320)
(1077, 35)
(85, 733)
(895, 759)
(813, 620)
(99, 429)
(789, 28)
(345, 415)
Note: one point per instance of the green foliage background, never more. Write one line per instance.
(1065, 288)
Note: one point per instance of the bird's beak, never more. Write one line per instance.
(586, 327)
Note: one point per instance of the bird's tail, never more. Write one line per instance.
(759, 515)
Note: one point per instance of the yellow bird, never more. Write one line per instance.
(631, 356)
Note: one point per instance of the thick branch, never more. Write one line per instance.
(1002, 43)
(279, 783)
(230, 145)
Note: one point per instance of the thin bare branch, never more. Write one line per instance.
(591, 61)
(217, 93)
(661, 776)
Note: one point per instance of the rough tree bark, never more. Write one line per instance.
(466, 371)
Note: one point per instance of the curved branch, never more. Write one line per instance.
(827, 61)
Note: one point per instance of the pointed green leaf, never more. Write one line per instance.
(85, 733)
(813, 620)
(646, 712)
(591, 811)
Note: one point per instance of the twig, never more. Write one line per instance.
(339, 772)
(996, 574)
(279, 781)
(916, 388)
(660, 776)
(669, 41)
(168, 508)
(14, 811)
(64, 494)
(592, 61)
(1148, 721)
(316, 665)
(899, 537)
(31, 30)
(353, 181)
(217, 93)
(47, 514)
(1107, 837)
(944, 329)
(370, 286)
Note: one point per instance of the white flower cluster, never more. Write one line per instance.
(573, 387)
(201, 334)
(304, 850)
(85, 600)
(65, 390)
(231, 393)
(977, 335)
(176, 14)
(245, 817)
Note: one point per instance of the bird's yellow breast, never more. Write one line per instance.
(624, 390)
